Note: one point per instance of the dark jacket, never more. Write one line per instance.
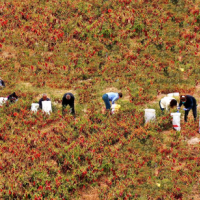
(190, 102)
(12, 96)
(2, 83)
(70, 102)
(41, 100)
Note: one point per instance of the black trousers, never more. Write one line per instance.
(194, 111)
(160, 106)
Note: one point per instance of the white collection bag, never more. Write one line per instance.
(176, 121)
(34, 107)
(150, 114)
(46, 106)
(3, 100)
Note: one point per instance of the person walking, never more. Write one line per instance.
(68, 99)
(167, 103)
(111, 96)
(44, 98)
(189, 103)
(2, 84)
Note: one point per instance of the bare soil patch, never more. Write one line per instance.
(8, 52)
(92, 193)
(110, 89)
(158, 97)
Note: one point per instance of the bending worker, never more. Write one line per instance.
(12, 97)
(68, 99)
(167, 103)
(111, 96)
(189, 103)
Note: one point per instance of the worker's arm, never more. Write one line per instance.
(115, 99)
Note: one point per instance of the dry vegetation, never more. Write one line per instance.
(144, 49)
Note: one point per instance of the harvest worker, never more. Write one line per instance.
(68, 99)
(2, 84)
(190, 103)
(167, 103)
(12, 97)
(44, 98)
(111, 96)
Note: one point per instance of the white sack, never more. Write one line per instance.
(46, 106)
(34, 107)
(3, 100)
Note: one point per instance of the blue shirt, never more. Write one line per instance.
(113, 97)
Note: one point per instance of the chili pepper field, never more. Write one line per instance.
(144, 49)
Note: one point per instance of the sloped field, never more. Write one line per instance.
(144, 49)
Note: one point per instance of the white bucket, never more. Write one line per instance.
(34, 107)
(46, 106)
(170, 94)
(176, 121)
(176, 94)
(115, 108)
(3, 100)
(150, 114)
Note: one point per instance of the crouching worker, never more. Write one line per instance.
(189, 103)
(12, 97)
(111, 96)
(2, 84)
(44, 98)
(68, 99)
(167, 103)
